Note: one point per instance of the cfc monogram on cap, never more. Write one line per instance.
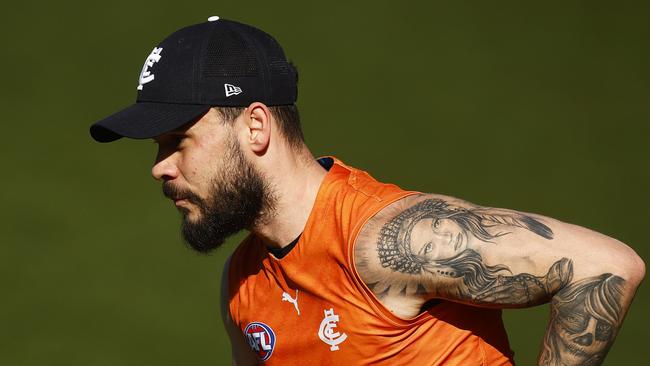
(146, 75)
(216, 63)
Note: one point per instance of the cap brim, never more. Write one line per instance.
(146, 120)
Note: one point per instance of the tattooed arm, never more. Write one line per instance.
(430, 246)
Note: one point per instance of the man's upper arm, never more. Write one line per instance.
(241, 353)
(433, 246)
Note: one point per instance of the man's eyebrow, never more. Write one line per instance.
(174, 132)
(177, 131)
(182, 129)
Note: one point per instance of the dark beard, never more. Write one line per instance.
(238, 199)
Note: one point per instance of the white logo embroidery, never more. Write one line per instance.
(145, 75)
(231, 89)
(257, 341)
(326, 332)
(287, 297)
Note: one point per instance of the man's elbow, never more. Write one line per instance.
(637, 269)
(632, 267)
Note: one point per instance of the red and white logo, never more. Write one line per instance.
(261, 339)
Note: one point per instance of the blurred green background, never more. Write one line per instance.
(541, 107)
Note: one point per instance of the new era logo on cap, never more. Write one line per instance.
(215, 63)
(231, 89)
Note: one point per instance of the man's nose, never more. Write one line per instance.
(164, 169)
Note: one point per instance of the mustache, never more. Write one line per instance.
(173, 192)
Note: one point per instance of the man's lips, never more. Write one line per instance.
(179, 200)
(180, 197)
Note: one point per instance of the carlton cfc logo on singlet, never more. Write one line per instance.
(261, 339)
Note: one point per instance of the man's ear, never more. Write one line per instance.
(258, 125)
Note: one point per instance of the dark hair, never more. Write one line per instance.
(469, 265)
(599, 295)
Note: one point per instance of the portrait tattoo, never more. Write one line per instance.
(433, 239)
(394, 244)
(425, 247)
(584, 319)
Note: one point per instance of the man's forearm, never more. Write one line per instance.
(585, 318)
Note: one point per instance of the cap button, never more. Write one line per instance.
(213, 18)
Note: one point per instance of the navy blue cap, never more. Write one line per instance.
(216, 63)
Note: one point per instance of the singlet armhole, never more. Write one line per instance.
(374, 302)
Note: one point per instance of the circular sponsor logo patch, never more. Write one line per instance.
(261, 339)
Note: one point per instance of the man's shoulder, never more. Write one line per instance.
(351, 181)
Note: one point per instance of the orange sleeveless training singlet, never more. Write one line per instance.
(312, 308)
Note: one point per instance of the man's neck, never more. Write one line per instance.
(295, 182)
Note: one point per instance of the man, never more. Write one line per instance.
(339, 267)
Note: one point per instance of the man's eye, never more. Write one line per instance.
(436, 223)
(428, 248)
(178, 139)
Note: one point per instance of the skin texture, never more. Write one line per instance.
(202, 162)
(415, 250)
(584, 321)
(243, 171)
(436, 247)
(237, 198)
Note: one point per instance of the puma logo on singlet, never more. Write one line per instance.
(287, 297)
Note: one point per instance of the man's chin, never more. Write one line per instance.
(199, 235)
(200, 240)
(189, 215)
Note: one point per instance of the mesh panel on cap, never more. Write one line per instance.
(229, 56)
(277, 62)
